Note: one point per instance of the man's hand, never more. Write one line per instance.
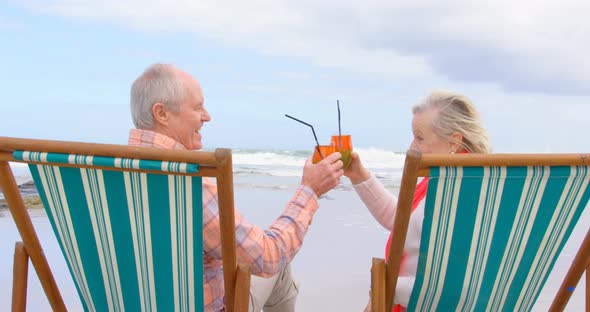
(324, 175)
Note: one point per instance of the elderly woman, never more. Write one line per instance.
(443, 123)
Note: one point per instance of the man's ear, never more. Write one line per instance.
(455, 142)
(160, 113)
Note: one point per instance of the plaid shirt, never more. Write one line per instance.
(265, 252)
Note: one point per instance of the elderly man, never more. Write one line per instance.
(168, 111)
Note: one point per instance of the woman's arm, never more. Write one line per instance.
(380, 202)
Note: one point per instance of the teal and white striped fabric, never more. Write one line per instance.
(132, 241)
(491, 235)
(101, 161)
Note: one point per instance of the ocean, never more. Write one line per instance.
(386, 165)
(333, 266)
(278, 166)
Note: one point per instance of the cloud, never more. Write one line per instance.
(293, 75)
(531, 46)
(522, 46)
(8, 24)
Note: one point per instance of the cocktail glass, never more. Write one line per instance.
(343, 144)
(321, 151)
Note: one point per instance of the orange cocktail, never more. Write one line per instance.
(343, 144)
(324, 150)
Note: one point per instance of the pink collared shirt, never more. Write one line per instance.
(265, 252)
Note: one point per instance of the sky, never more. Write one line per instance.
(68, 66)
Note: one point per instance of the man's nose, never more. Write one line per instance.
(206, 116)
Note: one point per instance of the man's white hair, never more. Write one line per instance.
(159, 83)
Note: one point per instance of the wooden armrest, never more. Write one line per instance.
(378, 285)
(19, 278)
(242, 289)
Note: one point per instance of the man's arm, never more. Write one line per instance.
(268, 251)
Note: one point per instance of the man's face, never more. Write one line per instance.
(185, 125)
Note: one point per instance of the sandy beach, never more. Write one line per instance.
(333, 265)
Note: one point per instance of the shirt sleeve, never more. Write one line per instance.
(265, 252)
(380, 202)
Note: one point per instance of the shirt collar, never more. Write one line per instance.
(140, 137)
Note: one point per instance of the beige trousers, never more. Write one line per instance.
(277, 293)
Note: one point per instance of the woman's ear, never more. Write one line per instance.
(160, 114)
(455, 141)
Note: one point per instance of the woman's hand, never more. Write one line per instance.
(356, 172)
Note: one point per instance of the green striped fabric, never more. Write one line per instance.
(132, 241)
(127, 163)
(491, 235)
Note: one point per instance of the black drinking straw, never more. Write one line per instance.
(339, 130)
(312, 130)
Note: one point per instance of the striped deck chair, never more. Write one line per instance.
(128, 221)
(493, 228)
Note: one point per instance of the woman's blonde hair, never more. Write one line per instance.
(456, 113)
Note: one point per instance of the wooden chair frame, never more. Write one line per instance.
(384, 275)
(217, 164)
